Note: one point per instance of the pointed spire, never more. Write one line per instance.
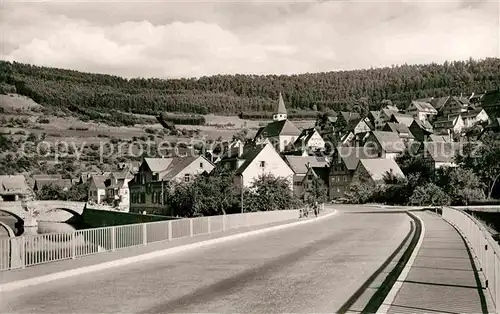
(281, 105)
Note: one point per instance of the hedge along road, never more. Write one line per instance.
(315, 267)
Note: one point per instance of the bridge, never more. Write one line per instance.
(361, 259)
(30, 212)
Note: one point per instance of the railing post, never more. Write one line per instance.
(23, 252)
(113, 239)
(208, 227)
(169, 230)
(190, 227)
(73, 245)
(144, 234)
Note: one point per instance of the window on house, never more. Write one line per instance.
(338, 190)
(262, 164)
(153, 198)
(309, 177)
(187, 177)
(155, 177)
(201, 165)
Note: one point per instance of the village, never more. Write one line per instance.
(341, 149)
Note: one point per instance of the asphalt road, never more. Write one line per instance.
(310, 268)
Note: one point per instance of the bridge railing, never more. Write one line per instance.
(482, 246)
(25, 251)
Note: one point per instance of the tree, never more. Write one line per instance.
(361, 191)
(483, 159)
(429, 195)
(462, 185)
(317, 191)
(268, 193)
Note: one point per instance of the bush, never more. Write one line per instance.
(429, 195)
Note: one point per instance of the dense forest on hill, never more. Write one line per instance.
(233, 94)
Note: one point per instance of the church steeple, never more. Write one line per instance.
(280, 113)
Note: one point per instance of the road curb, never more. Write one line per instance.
(389, 299)
(15, 285)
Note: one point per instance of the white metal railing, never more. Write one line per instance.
(482, 246)
(24, 251)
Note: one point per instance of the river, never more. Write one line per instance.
(43, 227)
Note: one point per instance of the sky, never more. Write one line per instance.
(171, 39)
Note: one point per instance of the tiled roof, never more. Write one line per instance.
(158, 164)
(472, 113)
(350, 116)
(321, 172)
(249, 157)
(438, 138)
(99, 181)
(424, 125)
(305, 136)
(13, 184)
(276, 128)
(424, 106)
(401, 129)
(351, 155)
(403, 118)
(390, 141)
(379, 167)
(178, 164)
(439, 102)
(441, 151)
(299, 163)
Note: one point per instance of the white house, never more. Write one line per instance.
(117, 190)
(300, 166)
(281, 132)
(256, 161)
(309, 139)
(422, 111)
(449, 124)
(97, 189)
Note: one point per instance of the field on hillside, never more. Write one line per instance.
(62, 127)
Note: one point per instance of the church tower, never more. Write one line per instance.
(280, 114)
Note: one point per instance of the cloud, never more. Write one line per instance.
(161, 39)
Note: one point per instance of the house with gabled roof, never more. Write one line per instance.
(387, 144)
(14, 188)
(346, 119)
(117, 190)
(97, 189)
(377, 169)
(421, 130)
(491, 103)
(386, 114)
(375, 119)
(421, 110)
(456, 105)
(255, 161)
(440, 102)
(309, 139)
(281, 132)
(402, 118)
(312, 174)
(401, 129)
(342, 168)
(439, 154)
(473, 117)
(156, 175)
(451, 124)
(300, 166)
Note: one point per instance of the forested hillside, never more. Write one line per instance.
(233, 94)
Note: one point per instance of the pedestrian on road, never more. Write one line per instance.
(316, 209)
